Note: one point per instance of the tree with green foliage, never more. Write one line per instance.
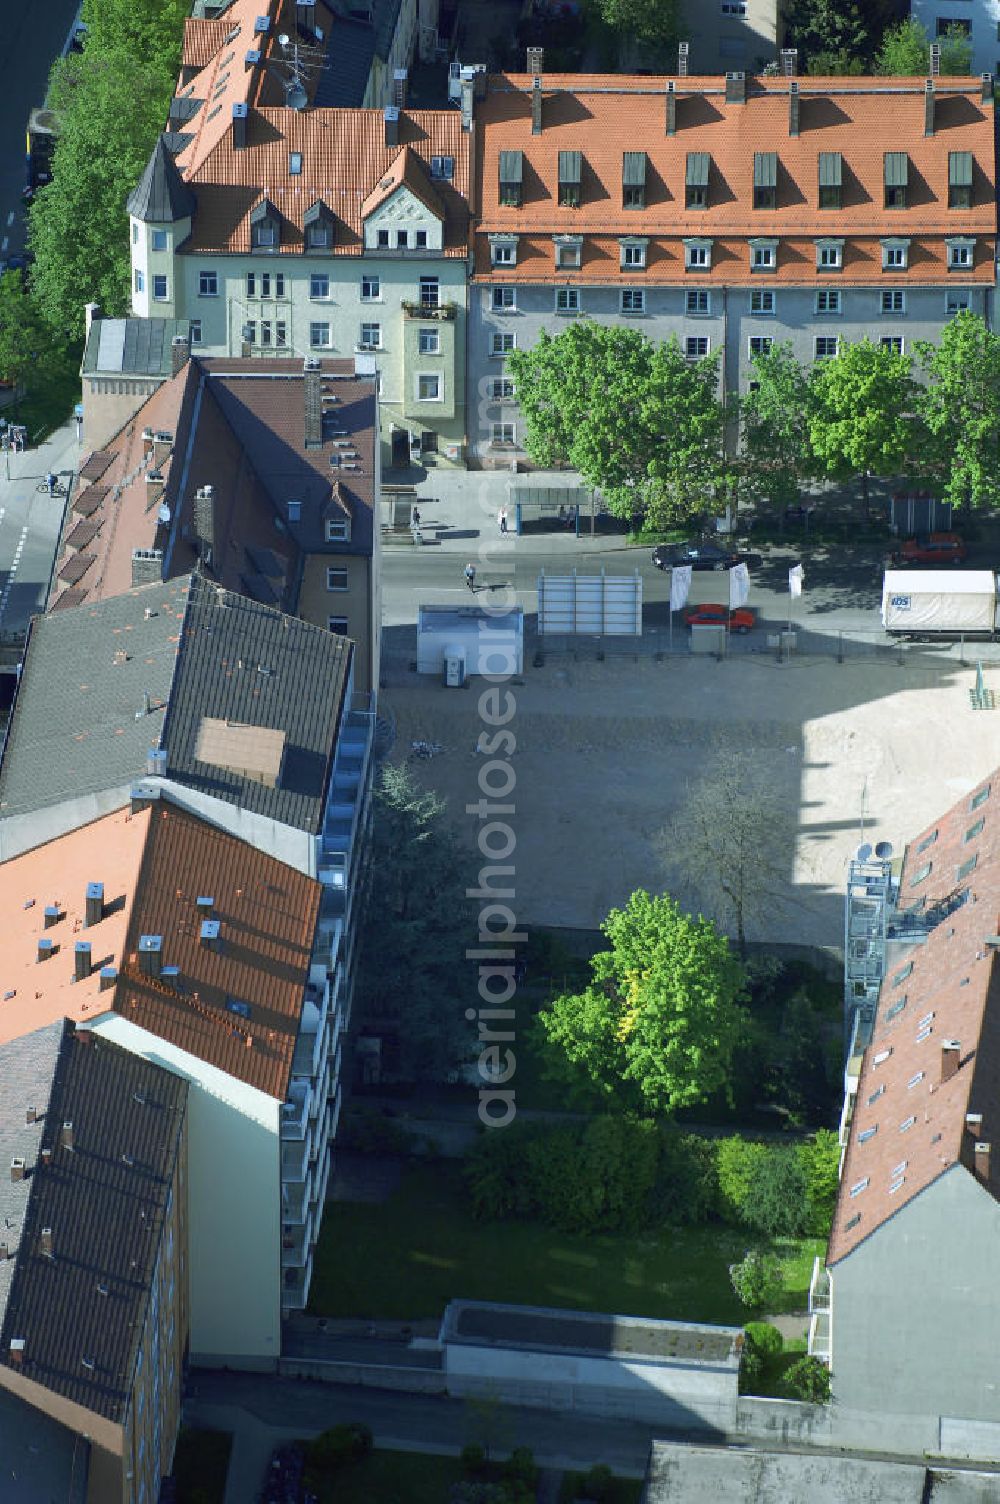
(775, 1200)
(658, 1024)
(820, 1160)
(774, 427)
(637, 420)
(905, 51)
(830, 34)
(756, 1279)
(413, 974)
(110, 110)
(861, 413)
(654, 22)
(798, 1070)
(960, 408)
(807, 1380)
(26, 345)
(148, 29)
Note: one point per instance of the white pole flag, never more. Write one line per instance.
(680, 586)
(739, 586)
(795, 581)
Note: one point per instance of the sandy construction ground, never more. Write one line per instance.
(606, 750)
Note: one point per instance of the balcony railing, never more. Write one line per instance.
(443, 311)
(820, 1338)
(819, 1287)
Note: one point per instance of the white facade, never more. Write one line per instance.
(980, 17)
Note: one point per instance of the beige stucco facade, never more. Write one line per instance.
(338, 593)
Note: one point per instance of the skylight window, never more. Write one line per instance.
(876, 1094)
(867, 1133)
(914, 1080)
(896, 1009)
(859, 1186)
(921, 874)
(897, 1185)
(966, 868)
(295, 163)
(927, 841)
(852, 1222)
(902, 975)
(907, 1124)
(899, 1169)
(882, 1055)
(975, 830)
(923, 1034)
(980, 798)
(928, 1018)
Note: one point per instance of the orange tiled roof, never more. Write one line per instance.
(407, 171)
(946, 988)
(202, 39)
(154, 865)
(861, 118)
(344, 158)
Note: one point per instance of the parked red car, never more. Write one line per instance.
(739, 620)
(931, 548)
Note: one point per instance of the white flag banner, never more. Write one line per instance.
(680, 586)
(795, 581)
(739, 586)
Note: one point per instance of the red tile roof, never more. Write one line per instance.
(202, 39)
(944, 989)
(154, 865)
(860, 118)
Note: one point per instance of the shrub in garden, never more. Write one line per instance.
(472, 1457)
(808, 1380)
(520, 1468)
(756, 1278)
(687, 1182)
(820, 1160)
(339, 1445)
(597, 1483)
(776, 1198)
(735, 1158)
(765, 1338)
(762, 1343)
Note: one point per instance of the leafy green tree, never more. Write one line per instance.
(151, 30)
(413, 975)
(636, 419)
(820, 1160)
(658, 1024)
(960, 407)
(110, 109)
(26, 345)
(905, 50)
(808, 1380)
(757, 1278)
(829, 33)
(774, 427)
(776, 1193)
(654, 22)
(797, 1074)
(861, 413)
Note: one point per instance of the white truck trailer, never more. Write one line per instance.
(940, 603)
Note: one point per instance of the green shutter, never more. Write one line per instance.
(634, 169)
(896, 169)
(830, 169)
(569, 166)
(960, 169)
(697, 169)
(510, 166)
(765, 169)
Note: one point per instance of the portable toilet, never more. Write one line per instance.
(454, 666)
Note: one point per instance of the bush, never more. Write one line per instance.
(496, 1175)
(338, 1446)
(757, 1278)
(597, 1483)
(808, 1380)
(520, 1468)
(735, 1158)
(751, 1370)
(687, 1182)
(366, 1131)
(820, 1160)
(765, 1338)
(472, 1457)
(776, 1196)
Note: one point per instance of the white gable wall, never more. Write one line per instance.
(402, 210)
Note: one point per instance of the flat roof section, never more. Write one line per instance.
(591, 1333)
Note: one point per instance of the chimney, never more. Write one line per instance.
(17, 1351)
(91, 312)
(536, 59)
(147, 566)
(935, 64)
(109, 976)
(94, 904)
(982, 1160)
(156, 762)
(951, 1056)
(468, 88)
(205, 908)
(46, 948)
(163, 443)
(180, 352)
(239, 125)
(17, 1168)
(974, 1123)
(399, 77)
(929, 107)
(66, 1135)
(736, 88)
(52, 915)
(46, 1157)
(208, 934)
(793, 107)
(536, 105)
(682, 59)
(150, 955)
(313, 396)
(81, 961)
(30, 1115)
(390, 118)
(986, 96)
(789, 61)
(3, 1253)
(671, 108)
(252, 57)
(47, 1243)
(203, 523)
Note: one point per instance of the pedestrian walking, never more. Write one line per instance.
(500, 520)
(503, 520)
(470, 575)
(416, 516)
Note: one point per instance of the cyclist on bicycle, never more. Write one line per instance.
(51, 480)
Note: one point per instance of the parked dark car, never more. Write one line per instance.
(701, 556)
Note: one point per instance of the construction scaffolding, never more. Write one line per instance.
(868, 907)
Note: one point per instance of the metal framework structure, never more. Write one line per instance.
(869, 903)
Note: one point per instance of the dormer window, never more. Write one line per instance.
(634, 180)
(570, 169)
(830, 180)
(961, 252)
(317, 223)
(633, 255)
(763, 255)
(765, 180)
(443, 168)
(829, 255)
(511, 175)
(503, 250)
(960, 180)
(696, 180)
(698, 255)
(569, 250)
(895, 254)
(897, 169)
(264, 227)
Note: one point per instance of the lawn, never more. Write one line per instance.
(201, 1463)
(405, 1259)
(391, 1478)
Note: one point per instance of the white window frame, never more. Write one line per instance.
(164, 296)
(697, 254)
(960, 246)
(886, 342)
(318, 236)
(763, 255)
(208, 284)
(829, 255)
(636, 295)
(503, 300)
(428, 286)
(503, 389)
(833, 298)
(826, 339)
(429, 341)
(159, 240)
(502, 343)
(764, 340)
(895, 254)
(427, 376)
(760, 296)
(570, 296)
(952, 305)
(337, 625)
(320, 342)
(370, 279)
(567, 251)
(337, 572)
(504, 435)
(195, 331)
(697, 339)
(338, 530)
(895, 297)
(632, 254)
(373, 338)
(503, 250)
(318, 281)
(138, 280)
(695, 295)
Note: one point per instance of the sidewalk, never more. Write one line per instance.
(31, 524)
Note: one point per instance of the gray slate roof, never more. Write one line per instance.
(350, 50)
(133, 347)
(78, 725)
(161, 197)
(246, 662)
(27, 1066)
(105, 1201)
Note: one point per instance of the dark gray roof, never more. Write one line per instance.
(104, 1199)
(350, 49)
(26, 1069)
(245, 662)
(79, 725)
(386, 13)
(161, 196)
(547, 1329)
(136, 347)
(41, 1459)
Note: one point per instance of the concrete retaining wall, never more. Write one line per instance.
(789, 1421)
(367, 1375)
